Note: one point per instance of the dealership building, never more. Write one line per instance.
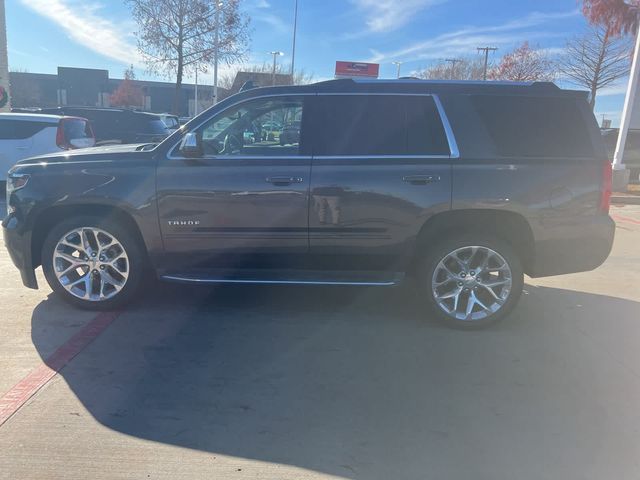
(93, 87)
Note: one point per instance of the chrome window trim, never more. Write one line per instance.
(451, 140)
(448, 131)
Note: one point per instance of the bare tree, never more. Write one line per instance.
(524, 64)
(460, 69)
(596, 59)
(178, 36)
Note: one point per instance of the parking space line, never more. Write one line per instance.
(26, 388)
(622, 218)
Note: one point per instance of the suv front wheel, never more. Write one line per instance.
(92, 263)
(472, 281)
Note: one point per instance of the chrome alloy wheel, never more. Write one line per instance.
(471, 283)
(91, 264)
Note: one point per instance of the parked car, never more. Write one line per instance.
(290, 133)
(172, 122)
(465, 186)
(116, 126)
(24, 135)
(631, 151)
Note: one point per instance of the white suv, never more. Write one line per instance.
(24, 135)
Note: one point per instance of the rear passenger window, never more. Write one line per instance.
(20, 129)
(378, 125)
(534, 126)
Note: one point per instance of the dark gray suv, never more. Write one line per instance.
(465, 186)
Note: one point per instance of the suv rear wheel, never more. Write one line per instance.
(472, 281)
(92, 263)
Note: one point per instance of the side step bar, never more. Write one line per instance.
(375, 279)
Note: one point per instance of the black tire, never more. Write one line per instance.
(134, 251)
(433, 255)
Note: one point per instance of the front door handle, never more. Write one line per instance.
(283, 181)
(421, 179)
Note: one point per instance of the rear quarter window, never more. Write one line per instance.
(21, 129)
(535, 126)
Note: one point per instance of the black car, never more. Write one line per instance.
(118, 126)
(465, 186)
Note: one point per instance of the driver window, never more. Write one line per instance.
(261, 127)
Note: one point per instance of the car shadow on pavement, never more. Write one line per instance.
(352, 382)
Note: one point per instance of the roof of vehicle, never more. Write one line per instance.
(31, 117)
(410, 85)
(100, 109)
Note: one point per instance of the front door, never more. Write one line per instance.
(244, 202)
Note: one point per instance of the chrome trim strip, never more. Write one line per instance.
(453, 145)
(252, 157)
(205, 281)
(374, 157)
(377, 94)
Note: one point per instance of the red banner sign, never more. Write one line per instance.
(357, 69)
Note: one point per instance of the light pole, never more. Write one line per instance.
(4, 62)
(275, 54)
(453, 62)
(295, 29)
(398, 65)
(486, 51)
(195, 95)
(216, 45)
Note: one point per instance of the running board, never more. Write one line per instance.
(291, 277)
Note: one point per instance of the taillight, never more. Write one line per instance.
(605, 190)
(61, 140)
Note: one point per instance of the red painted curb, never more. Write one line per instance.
(621, 218)
(39, 376)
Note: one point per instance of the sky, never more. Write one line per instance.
(45, 34)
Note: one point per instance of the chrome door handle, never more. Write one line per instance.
(421, 179)
(283, 181)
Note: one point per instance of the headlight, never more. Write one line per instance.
(15, 181)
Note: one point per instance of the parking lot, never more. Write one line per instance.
(293, 382)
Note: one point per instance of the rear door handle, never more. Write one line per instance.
(421, 179)
(283, 181)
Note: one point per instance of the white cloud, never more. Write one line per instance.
(388, 15)
(262, 4)
(619, 89)
(275, 22)
(465, 40)
(86, 25)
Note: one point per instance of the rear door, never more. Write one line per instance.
(381, 167)
(16, 141)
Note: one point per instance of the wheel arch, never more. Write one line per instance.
(49, 217)
(510, 227)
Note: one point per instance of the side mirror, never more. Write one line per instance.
(190, 146)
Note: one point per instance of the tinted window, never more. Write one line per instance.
(534, 126)
(266, 126)
(20, 129)
(155, 126)
(378, 125)
(425, 133)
